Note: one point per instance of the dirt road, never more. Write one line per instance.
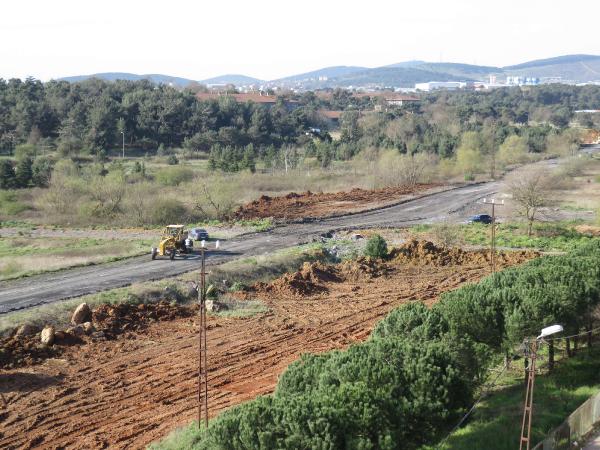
(453, 205)
(128, 392)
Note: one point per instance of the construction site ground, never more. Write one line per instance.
(131, 390)
(304, 205)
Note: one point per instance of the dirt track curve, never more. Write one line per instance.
(452, 204)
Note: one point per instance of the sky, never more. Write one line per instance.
(269, 39)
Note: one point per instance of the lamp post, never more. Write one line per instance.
(202, 347)
(123, 133)
(493, 240)
(530, 349)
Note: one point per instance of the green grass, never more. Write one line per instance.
(23, 255)
(496, 423)
(10, 204)
(545, 236)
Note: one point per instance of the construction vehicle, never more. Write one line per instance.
(174, 241)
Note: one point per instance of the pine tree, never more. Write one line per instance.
(24, 172)
(7, 175)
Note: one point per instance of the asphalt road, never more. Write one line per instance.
(453, 204)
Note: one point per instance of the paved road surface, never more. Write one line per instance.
(48, 288)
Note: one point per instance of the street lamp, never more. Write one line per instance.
(203, 366)
(531, 351)
(123, 133)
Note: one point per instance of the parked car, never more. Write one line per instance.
(198, 234)
(480, 218)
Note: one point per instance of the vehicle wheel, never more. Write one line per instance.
(172, 255)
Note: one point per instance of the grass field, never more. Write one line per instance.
(24, 255)
(496, 424)
(546, 236)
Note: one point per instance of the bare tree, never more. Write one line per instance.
(531, 190)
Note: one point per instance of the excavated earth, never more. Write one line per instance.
(310, 205)
(136, 386)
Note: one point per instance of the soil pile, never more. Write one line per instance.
(427, 253)
(108, 321)
(309, 280)
(24, 351)
(311, 205)
(363, 268)
(315, 278)
(119, 318)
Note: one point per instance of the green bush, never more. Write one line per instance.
(166, 211)
(174, 176)
(376, 247)
(172, 160)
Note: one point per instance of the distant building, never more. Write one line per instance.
(522, 81)
(333, 117)
(433, 85)
(255, 97)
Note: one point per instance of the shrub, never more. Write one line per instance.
(166, 211)
(174, 176)
(172, 160)
(376, 247)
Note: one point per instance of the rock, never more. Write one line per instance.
(88, 327)
(26, 330)
(82, 313)
(76, 331)
(215, 306)
(48, 335)
(98, 335)
(59, 336)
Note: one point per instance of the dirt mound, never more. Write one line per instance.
(310, 205)
(116, 319)
(24, 351)
(360, 269)
(316, 278)
(108, 321)
(427, 253)
(309, 280)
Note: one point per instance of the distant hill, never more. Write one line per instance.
(328, 72)
(236, 79)
(113, 76)
(579, 68)
(394, 76)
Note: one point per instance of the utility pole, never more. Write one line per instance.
(493, 240)
(202, 368)
(531, 352)
(123, 133)
(202, 346)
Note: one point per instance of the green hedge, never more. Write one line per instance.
(411, 381)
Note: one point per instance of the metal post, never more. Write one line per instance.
(528, 407)
(123, 133)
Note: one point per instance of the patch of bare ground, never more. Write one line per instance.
(310, 205)
(131, 390)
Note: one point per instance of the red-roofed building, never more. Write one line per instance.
(254, 97)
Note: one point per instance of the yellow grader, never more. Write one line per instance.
(174, 241)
